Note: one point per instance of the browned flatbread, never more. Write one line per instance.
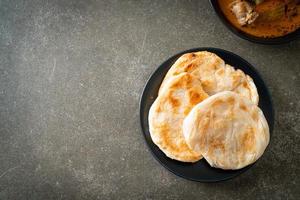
(214, 74)
(167, 113)
(228, 130)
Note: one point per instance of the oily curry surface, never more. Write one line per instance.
(263, 27)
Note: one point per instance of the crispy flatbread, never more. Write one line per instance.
(228, 130)
(214, 74)
(167, 113)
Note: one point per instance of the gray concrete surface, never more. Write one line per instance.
(71, 74)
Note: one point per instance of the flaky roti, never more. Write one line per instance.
(167, 113)
(214, 74)
(228, 130)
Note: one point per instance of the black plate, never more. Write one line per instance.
(199, 171)
(278, 40)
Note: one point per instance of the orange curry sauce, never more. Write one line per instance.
(263, 28)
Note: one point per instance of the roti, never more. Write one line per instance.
(167, 113)
(228, 130)
(214, 74)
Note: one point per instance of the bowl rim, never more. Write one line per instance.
(268, 41)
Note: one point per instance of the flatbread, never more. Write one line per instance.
(228, 130)
(167, 113)
(214, 74)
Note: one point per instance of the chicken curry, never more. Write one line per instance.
(263, 18)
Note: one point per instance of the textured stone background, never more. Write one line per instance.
(71, 74)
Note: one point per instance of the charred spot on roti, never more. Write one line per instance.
(217, 144)
(220, 71)
(255, 115)
(247, 140)
(236, 78)
(231, 101)
(243, 107)
(174, 102)
(207, 84)
(190, 67)
(158, 109)
(218, 102)
(195, 97)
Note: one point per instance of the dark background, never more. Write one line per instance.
(71, 75)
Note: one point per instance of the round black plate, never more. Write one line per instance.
(199, 171)
(278, 40)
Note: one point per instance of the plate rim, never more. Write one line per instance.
(142, 99)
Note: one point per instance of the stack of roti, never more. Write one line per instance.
(207, 109)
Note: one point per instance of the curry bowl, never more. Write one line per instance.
(262, 40)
